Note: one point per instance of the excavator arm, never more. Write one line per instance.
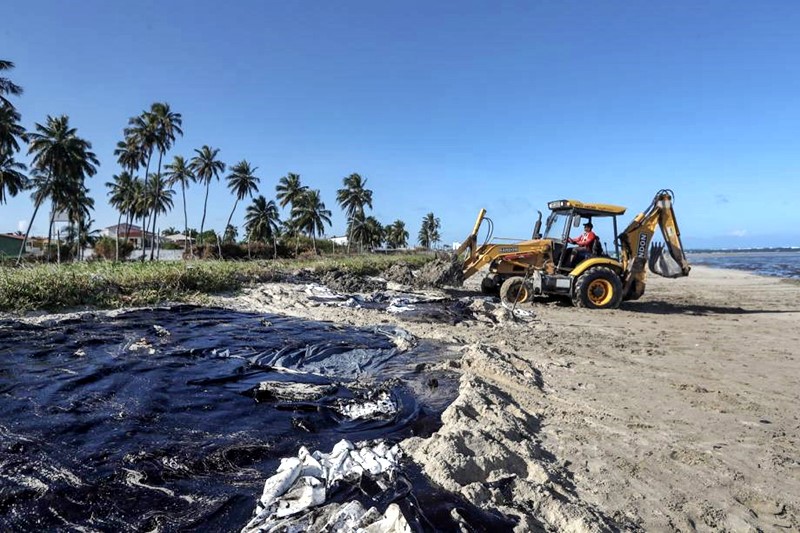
(668, 260)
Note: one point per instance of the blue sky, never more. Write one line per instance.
(443, 106)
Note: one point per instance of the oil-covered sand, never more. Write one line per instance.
(675, 412)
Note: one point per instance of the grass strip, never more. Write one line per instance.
(109, 285)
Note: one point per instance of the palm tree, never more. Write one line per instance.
(6, 85)
(12, 179)
(396, 234)
(243, 183)
(64, 158)
(357, 230)
(310, 215)
(78, 206)
(168, 127)
(230, 234)
(374, 233)
(159, 202)
(429, 232)
(289, 189)
(143, 131)
(206, 167)
(179, 172)
(11, 132)
(130, 155)
(80, 236)
(352, 198)
(262, 222)
(120, 190)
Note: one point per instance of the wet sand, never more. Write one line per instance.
(680, 411)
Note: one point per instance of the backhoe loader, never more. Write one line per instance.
(546, 265)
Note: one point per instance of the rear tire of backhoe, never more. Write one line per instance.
(598, 288)
(513, 290)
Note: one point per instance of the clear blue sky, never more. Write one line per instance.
(444, 106)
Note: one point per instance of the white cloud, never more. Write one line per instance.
(738, 233)
(22, 225)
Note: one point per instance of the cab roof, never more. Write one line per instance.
(587, 209)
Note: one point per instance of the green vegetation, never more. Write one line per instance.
(143, 192)
(105, 284)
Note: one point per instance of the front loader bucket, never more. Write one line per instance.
(662, 263)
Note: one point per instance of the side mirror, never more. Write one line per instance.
(576, 221)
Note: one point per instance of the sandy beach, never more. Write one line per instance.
(676, 412)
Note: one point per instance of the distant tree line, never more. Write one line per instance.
(145, 188)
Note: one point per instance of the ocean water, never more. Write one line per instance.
(783, 264)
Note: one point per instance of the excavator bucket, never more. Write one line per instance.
(662, 263)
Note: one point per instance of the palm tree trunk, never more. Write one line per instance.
(274, 247)
(28, 232)
(349, 234)
(185, 220)
(144, 214)
(205, 206)
(314, 242)
(155, 235)
(33, 217)
(50, 231)
(156, 193)
(230, 217)
(119, 221)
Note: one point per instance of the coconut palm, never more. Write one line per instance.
(353, 197)
(309, 215)
(429, 232)
(11, 132)
(78, 206)
(396, 234)
(206, 167)
(168, 127)
(12, 179)
(130, 155)
(159, 197)
(374, 233)
(357, 230)
(262, 222)
(143, 130)
(120, 190)
(243, 183)
(289, 189)
(7, 87)
(81, 236)
(230, 234)
(179, 172)
(62, 157)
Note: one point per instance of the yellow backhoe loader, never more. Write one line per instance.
(546, 265)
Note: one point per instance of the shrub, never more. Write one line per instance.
(106, 247)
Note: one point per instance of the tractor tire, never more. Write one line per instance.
(598, 288)
(514, 291)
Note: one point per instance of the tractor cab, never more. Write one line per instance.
(566, 221)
